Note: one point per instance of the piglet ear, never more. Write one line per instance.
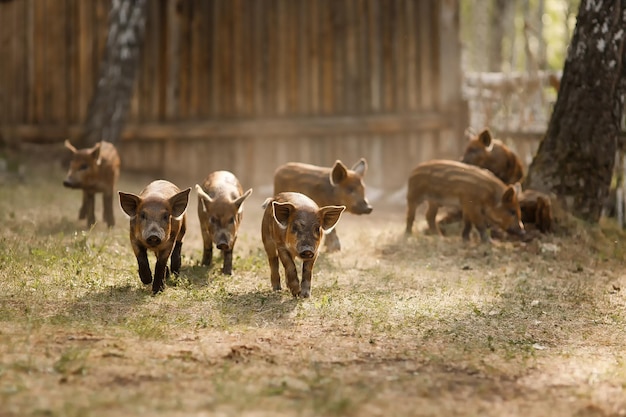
(95, 152)
(338, 173)
(204, 197)
(129, 203)
(179, 202)
(69, 146)
(485, 138)
(509, 195)
(282, 212)
(239, 202)
(360, 168)
(329, 216)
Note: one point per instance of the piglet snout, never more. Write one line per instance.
(306, 254)
(153, 240)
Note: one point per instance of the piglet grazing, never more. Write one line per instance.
(157, 223)
(481, 196)
(292, 228)
(337, 185)
(220, 210)
(94, 170)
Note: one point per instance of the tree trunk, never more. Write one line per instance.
(109, 104)
(575, 158)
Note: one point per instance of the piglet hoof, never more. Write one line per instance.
(276, 287)
(305, 293)
(227, 271)
(295, 290)
(145, 275)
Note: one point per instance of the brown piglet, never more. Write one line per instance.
(482, 197)
(157, 223)
(327, 186)
(94, 170)
(220, 211)
(292, 227)
(485, 152)
(536, 208)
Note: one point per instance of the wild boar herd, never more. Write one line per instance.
(307, 203)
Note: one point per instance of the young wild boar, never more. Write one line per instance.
(484, 151)
(157, 223)
(292, 228)
(220, 210)
(94, 170)
(483, 199)
(536, 209)
(326, 186)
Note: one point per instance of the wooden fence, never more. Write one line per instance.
(247, 85)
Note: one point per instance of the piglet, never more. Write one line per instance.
(157, 223)
(336, 185)
(292, 227)
(94, 170)
(220, 210)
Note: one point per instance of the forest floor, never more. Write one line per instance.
(424, 326)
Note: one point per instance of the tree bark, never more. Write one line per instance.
(109, 105)
(576, 156)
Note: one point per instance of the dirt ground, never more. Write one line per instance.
(422, 326)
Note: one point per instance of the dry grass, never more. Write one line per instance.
(424, 326)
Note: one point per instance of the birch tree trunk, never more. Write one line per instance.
(576, 157)
(109, 105)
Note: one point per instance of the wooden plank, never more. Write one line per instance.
(337, 11)
(412, 98)
(427, 89)
(280, 57)
(40, 71)
(215, 61)
(195, 48)
(8, 28)
(155, 107)
(303, 33)
(237, 60)
(55, 93)
(71, 62)
(387, 16)
(292, 21)
(351, 72)
(291, 127)
(84, 36)
(364, 86)
(400, 38)
(279, 127)
(374, 56)
(225, 59)
(271, 60)
(259, 48)
(314, 58)
(327, 58)
(246, 58)
(184, 72)
(172, 53)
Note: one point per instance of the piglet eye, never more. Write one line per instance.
(231, 220)
(83, 167)
(166, 217)
(213, 220)
(143, 216)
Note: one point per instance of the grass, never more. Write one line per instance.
(418, 326)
